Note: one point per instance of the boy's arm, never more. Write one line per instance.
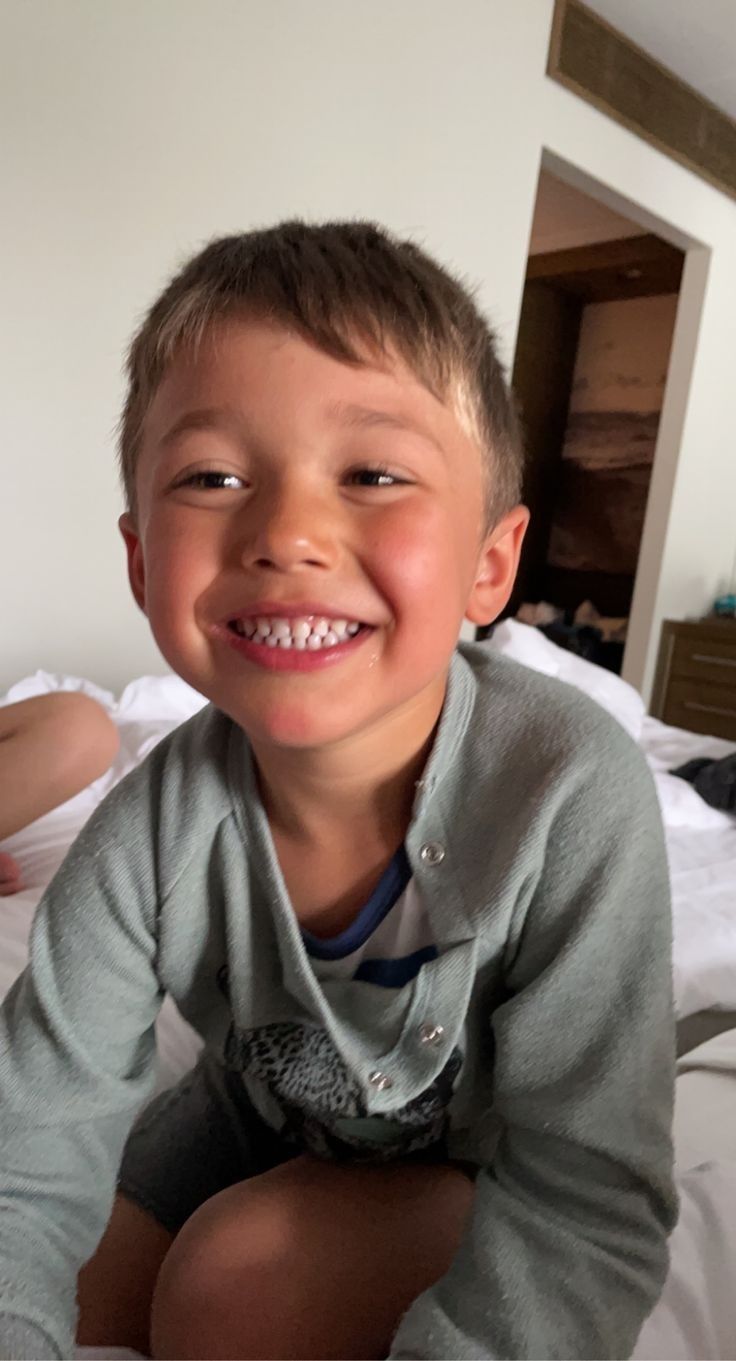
(76, 1062)
(566, 1251)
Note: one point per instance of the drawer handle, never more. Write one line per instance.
(709, 709)
(714, 661)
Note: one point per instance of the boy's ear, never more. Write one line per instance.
(134, 550)
(497, 567)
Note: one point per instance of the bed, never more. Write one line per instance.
(697, 1315)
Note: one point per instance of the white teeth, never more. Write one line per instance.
(300, 634)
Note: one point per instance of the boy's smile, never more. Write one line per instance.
(310, 534)
(302, 637)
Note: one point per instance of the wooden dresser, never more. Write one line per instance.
(695, 680)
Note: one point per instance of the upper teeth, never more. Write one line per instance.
(310, 632)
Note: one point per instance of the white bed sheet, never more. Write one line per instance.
(695, 1319)
(701, 850)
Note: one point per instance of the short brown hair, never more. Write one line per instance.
(347, 287)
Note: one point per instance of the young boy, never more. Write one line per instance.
(413, 898)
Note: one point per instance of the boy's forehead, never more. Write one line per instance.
(244, 370)
(240, 351)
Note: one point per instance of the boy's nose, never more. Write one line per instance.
(293, 529)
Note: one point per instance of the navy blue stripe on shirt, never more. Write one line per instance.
(388, 890)
(394, 973)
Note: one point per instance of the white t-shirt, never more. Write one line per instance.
(388, 941)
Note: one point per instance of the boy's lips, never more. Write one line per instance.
(296, 610)
(304, 636)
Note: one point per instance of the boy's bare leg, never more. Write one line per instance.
(51, 747)
(116, 1286)
(310, 1260)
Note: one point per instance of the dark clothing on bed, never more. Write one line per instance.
(714, 781)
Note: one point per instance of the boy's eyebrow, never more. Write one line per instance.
(357, 417)
(208, 418)
(350, 414)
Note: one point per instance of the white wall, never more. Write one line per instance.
(135, 129)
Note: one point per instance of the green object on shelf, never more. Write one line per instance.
(725, 605)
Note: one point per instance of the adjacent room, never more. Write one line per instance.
(592, 353)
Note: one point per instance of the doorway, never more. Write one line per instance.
(593, 350)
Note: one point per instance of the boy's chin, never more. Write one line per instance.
(294, 726)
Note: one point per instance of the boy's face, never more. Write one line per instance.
(276, 483)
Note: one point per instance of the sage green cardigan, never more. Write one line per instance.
(547, 891)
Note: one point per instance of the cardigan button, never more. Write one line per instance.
(431, 1034)
(381, 1081)
(432, 853)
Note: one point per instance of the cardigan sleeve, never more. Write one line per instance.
(566, 1251)
(76, 1063)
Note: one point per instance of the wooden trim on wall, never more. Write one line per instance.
(618, 254)
(597, 62)
(662, 673)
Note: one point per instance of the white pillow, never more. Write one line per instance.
(45, 683)
(532, 648)
(156, 698)
(149, 709)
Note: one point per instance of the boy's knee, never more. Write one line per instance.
(225, 1253)
(80, 728)
(88, 722)
(277, 1264)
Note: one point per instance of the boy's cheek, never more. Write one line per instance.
(425, 560)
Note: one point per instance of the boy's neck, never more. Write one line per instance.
(365, 784)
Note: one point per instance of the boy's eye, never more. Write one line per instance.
(374, 477)
(212, 481)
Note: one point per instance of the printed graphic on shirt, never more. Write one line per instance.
(321, 1103)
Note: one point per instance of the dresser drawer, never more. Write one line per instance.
(701, 708)
(705, 659)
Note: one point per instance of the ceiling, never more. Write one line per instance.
(564, 218)
(696, 39)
